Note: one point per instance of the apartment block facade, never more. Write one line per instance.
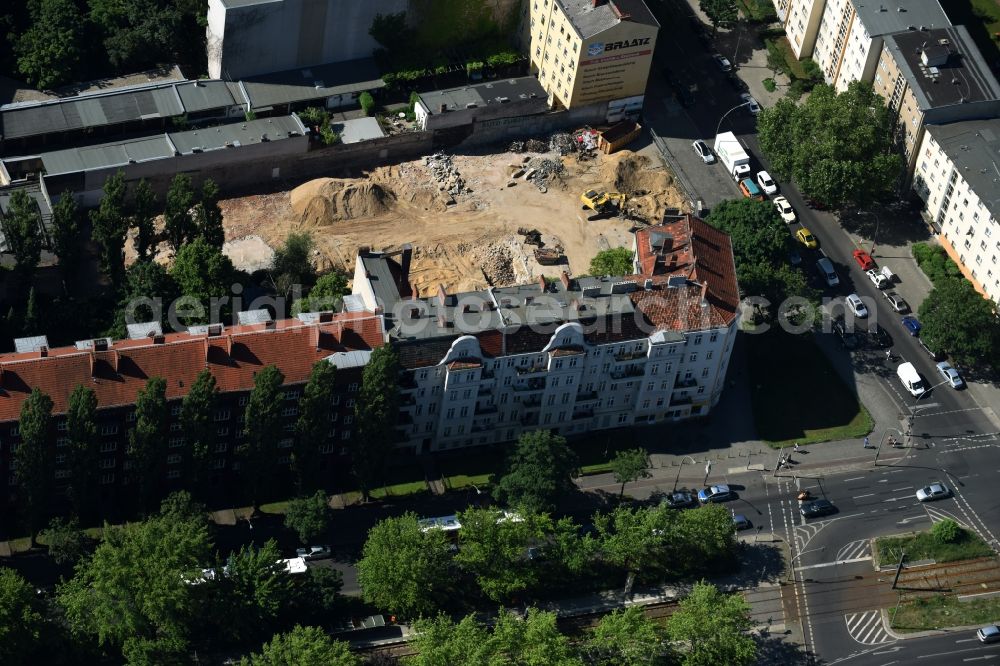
(801, 19)
(956, 176)
(591, 51)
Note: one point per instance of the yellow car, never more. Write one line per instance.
(805, 237)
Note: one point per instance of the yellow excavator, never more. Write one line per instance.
(603, 203)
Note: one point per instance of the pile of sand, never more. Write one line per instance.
(650, 187)
(323, 201)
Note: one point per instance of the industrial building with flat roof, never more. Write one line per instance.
(502, 98)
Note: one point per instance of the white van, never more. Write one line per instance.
(825, 268)
(911, 379)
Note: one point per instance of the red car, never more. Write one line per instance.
(864, 260)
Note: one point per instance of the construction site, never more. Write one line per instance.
(539, 207)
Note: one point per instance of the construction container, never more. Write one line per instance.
(618, 136)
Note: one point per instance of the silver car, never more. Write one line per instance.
(935, 491)
(703, 152)
(951, 374)
(989, 634)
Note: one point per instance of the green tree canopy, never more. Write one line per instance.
(327, 294)
(66, 240)
(197, 421)
(253, 591)
(630, 465)
(701, 538)
(494, 549)
(179, 226)
(305, 646)
(262, 426)
(292, 264)
(957, 319)
(309, 517)
(537, 473)
(22, 227)
(34, 460)
(20, 618)
(66, 541)
(81, 431)
(49, 52)
(146, 296)
(109, 225)
(137, 33)
(713, 628)
(616, 261)
(144, 209)
(208, 215)
(627, 638)
(134, 592)
(312, 428)
(202, 272)
(404, 569)
(634, 538)
(147, 441)
(721, 13)
(839, 148)
(376, 413)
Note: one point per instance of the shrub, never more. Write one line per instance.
(503, 59)
(946, 531)
(314, 116)
(473, 66)
(327, 135)
(769, 85)
(935, 262)
(367, 102)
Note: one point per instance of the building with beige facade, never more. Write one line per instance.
(934, 77)
(592, 51)
(801, 20)
(957, 176)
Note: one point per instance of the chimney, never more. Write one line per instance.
(214, 330)
(704, 293)
(314, 336)
(564, 278)
(442, 108)
(442, 296)
(442, 321)
(229, 346)
(325, 317)
(541, 283)
(100, 344)
(43, 351)
(404, 265)
(159, 339)
(93, 365)
(270, 325)
(115, 359)
(574, 304)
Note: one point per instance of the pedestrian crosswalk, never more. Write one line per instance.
(855, 550)
(867, 628)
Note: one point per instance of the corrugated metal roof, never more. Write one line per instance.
(75, 160)
(30, 344)
(317, 82)
(199, 96)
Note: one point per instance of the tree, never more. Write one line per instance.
(66, 239)
(146, 296)
(702, 538)
(537, 473)
(197, 422)
(137, 33)
(616, 261)
(630, 465)
(958, 319)
(318, 593)
(376, 412)
(566, 555)
(144, 208)
(402, 567)
(262, 428)
(634, 538)
(178, 225)
(494, 547)
(147, 441)
(327, 294)
(535, 639)
(839, 148)
(254, 590)
(721, 13)
(303, 645)
(20, 618)
(22, 228)
(313, 425)
(66, 541)
(947, 531)
(134, 592)
(208, 215)
(713, 627)
(309, 517)
(202, 273)
(31, 322)
(48, 53)
(627, 638)
(292, 266)
(81, 431)
(34, 460)
(110, 224)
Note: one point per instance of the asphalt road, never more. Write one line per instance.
(960, 647)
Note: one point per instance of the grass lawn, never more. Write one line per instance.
(794, 66)
(796, 394)
(982, 19)
(944, 611)
(922, 546)
(758, 10)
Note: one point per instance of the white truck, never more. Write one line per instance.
(911, 379)
(732, 155)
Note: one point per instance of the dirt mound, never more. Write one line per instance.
(632, 174)
(327, 200)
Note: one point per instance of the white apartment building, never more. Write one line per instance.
(801, 20)
(572, 355)
(956, 175)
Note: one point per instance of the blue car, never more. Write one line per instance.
(720, 493)
(912, 325)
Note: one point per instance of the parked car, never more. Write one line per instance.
(847, 337)
(880, 337)
(741, 522)
(703, 152)
(864, 260)
(855, 304)
(720, 493)
(784, 209)
(816, 508)
(722, 61)
(314, 552)
(911, 325)
(680, 499)
(951, 374)
(896, 301)
(805, 237)
(989, 634)
(766, 182)
(752, 105)
(877, 278)
(934, 491)
(750, 189)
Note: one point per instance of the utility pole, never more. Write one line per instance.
(899, 569)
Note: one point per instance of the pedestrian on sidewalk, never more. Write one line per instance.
(867, 443)
(796, 447)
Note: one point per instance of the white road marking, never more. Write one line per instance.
(866, 628)
(898, 490)
(856, 478)
(945, 654)
(833, 564)
(860, 496)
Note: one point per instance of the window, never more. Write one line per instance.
(704, 372)
(348, 419)
(353, 388)
(220, 447)
(175, 410)
(242, 401)
(106, 463)
(62, 426)
(708, 356)
(107, 479)
(62, 441)
(174, 459)
(222, 432)
(289, 411)
(693, 358)
(174, 474)
(292, 395)
(221, 415)
(63, 473)
(109, 429)
(219, 463)
(175, 427)
(697, 339)
(346, 434)
(350, 403)
(285, 443)
(175, 442)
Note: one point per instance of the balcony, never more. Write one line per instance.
(630, 356)
(582, 414)
(536, 384)
(529, 400)
(530, 419)
(584, 396)
(688, 382)
(485, 409)
(407, 400)
(532, 369)
(677, 402)
(629, 371)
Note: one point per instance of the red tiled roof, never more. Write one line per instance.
(234, 358)
(465, 364)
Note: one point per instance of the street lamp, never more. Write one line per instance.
(738, 106)
(916, 406)
(791, 563)
(678, 477)
(880, 442)
(878, 223)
